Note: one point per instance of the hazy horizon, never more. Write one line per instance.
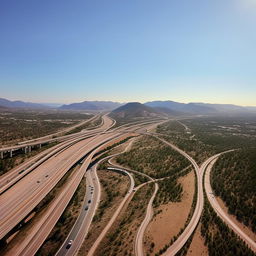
(198, 51)
(123, 102)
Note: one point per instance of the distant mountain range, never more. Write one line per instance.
(190, 108)
(200, 108)
(86, 105)
(20, 104)
(165, 107)
(92, 105)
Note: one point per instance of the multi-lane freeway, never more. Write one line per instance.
(24, 187)
(25, 190)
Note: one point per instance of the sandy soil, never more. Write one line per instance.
(246, 230)
(167, 224)
(121, 236)
(197, 247)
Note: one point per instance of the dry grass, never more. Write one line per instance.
(121, 184)
(172, 217)
(197, 246)
(245, 229)
(121, 237)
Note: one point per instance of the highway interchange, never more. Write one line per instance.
(25, 186)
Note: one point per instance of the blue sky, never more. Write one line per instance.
(189, 51)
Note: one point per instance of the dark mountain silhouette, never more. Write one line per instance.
(134, 109)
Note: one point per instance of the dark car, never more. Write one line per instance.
(89, 201)
(86, 208)
(69, 244)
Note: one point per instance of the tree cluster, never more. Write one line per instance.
(234, 180)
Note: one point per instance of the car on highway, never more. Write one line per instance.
(21, 171)
(89, 201)
(86, 208)
(69, 244)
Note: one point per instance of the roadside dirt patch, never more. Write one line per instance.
(121, 237)
(116, 182)
(197, 247)
(245, 229)
(172, 217)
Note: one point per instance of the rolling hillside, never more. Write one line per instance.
(133, 110)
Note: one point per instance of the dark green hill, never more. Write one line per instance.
(134, 110)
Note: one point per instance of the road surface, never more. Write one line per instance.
(220, 212)
(182, 239)
(12, 176)
(84, 220)
(81, 228)
(107, 123)
(20, 199)
(139, 245)
(41, 230)
(127, 197)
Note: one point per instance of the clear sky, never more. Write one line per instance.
(128, 50)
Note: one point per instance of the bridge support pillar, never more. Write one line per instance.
(29, 149)
(11, 153)
(26, 150)
(2, 155)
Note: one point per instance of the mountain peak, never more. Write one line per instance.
(134, 109)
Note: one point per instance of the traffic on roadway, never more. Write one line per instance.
(25, 186)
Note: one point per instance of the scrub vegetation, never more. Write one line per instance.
(7, 164)
(114, 187)
(233, 178)
(218, 237)
(120, 238)
(21, 125)
(202, 137)
(176, 133)
(150, 156)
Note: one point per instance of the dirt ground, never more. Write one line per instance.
(98, 226)
(197, 247)
(121, 237)
(246, 230)
(165, 225)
